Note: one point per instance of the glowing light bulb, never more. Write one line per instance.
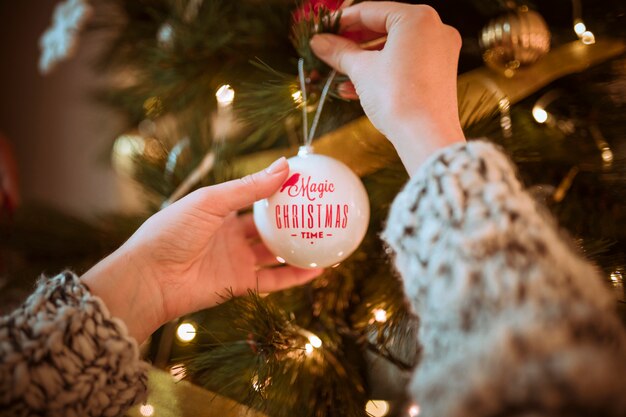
(308, 348)
(607, 155)
(540, 115)
(128, 145)
(186, 332)
(588, 38)
(225, 95)
(146, 410)
(414, 410)
(579, 28)
(616, 277)
(315, 341)
(297, 96)
(377, 408)
(380, 315)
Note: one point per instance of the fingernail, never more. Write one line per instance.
(277, 166)
(320, 44)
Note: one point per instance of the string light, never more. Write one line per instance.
(540, 115)
(225, 95)
(186, 332)
(129, 145)
(588, 38)
(377, 408)
(607, 155)
(414, 410)
(146, 410)
(616, 277)
(297, 97)
(308, 348)
(259, 386)
(380, 315)
(315, 341)
(579, 27)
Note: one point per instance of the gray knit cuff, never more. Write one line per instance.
(512, 320)
(61, 353)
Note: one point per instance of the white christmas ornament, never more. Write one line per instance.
(318, 217)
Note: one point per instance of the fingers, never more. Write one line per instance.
(372, 20)
(376, 17)
(237, 194)
(263, 255)
(275, 279)
(248, 226)
(338, 52)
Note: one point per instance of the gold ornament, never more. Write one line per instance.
(515, 39)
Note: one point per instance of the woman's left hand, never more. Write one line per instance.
(185, 257)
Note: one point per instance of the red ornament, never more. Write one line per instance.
(312, 7)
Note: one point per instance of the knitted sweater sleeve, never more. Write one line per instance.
(61, 354)
(512, 321)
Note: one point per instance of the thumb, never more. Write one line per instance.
(237, 194)
(340, 53)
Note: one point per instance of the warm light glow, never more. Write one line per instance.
(308, 348)
(165, 35)
(259, 386)
(380, 315)
(186, 332)
(588, 38)
(607, 155)
(414, 410)
(313, 265)
(616, 277)
(146, 410)
(315, 341)
(297, 96)
(225, 95)
(178, 372)
(129, 145)
(377, 408)
(580, 28)
(281, 260)
(336, 265)
(540, 115)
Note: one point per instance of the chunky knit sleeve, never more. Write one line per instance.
(61, 354)
(512, 321)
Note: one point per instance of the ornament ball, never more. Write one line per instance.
(318, 217)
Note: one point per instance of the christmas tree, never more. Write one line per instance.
(210, 91)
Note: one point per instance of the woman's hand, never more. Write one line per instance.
(408, 88)
(184, 257)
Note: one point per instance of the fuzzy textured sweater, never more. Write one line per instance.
(512, 321)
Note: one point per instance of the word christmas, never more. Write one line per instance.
(311, 215)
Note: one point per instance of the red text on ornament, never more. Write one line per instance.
(312, 235)
(298, 186)
(311, 216)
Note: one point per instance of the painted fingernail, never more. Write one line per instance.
(277, 166)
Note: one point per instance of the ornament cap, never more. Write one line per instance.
(305, 150)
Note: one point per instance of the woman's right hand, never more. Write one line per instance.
(408, 88)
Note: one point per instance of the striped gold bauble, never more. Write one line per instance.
(515, 39)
